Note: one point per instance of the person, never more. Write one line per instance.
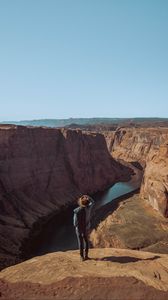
(81, 221)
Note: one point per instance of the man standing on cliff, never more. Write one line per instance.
(81, 221)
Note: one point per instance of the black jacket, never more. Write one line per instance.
(79, 219)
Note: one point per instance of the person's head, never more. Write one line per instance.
(83, 201)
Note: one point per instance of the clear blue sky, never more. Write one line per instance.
(83, 58)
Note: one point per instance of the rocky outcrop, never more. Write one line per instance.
(42, 170)
(129, 226)
(113, 274)
(134, 144)
(155, 182)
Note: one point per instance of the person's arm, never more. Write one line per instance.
(91, 201)
(74, 218)
(89, 210)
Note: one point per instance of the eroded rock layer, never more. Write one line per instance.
(134, 144)
(147, 147)
(155, 182)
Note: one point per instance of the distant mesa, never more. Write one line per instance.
(93, 121)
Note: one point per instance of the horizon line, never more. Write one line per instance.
(81, 118)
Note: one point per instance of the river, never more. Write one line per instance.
(62, 237)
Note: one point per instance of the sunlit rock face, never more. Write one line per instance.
(41, 171)
(134, 144)
(148, 147)
(155, 182)
(111, 274)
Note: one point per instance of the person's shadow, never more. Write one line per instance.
(124, 259)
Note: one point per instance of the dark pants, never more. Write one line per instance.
(82, 237)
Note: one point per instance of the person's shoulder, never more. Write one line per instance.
(76, 210)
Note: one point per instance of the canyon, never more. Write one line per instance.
(129, 226)
(148, 149)
(43, 171)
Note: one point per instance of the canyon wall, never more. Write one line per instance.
(155, 182)
(130, 225)
(43, 170)
(134, 144)
(147, 147)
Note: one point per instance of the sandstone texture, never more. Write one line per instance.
(134, 144)
(43, 170)
(155, 181)
(114, 274)
(147, 147)
(134, 225)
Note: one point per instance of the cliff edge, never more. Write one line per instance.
(109, 274)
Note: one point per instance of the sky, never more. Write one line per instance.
(83, 58)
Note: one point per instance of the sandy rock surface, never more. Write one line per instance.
(155, 182)
(130, 273)
(134, 225)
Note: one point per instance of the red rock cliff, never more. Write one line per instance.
(155, 182)
(146, 146)
(44, 169)
(134, 144)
